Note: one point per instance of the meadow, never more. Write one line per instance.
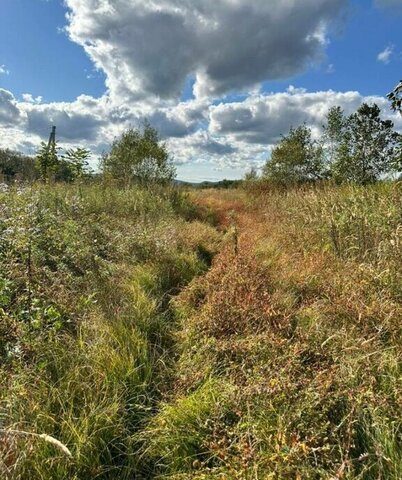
(248, 333)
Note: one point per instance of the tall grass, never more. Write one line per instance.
(151, 349)
(85, 340)
(299, 319)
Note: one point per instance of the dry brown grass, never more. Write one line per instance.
(308, 341)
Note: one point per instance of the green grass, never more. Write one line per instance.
(154, 345)
(86, 341)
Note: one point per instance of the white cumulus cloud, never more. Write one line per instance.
(153, 47)
(385, 55)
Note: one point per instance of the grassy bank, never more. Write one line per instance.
(85, 332)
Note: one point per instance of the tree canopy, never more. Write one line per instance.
(138, 156)
(396, 98)
(16, 165)
(360, 148)
(296, 159)
(368, 147)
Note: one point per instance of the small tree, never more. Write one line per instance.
(77, 160)
(334, 131)
(138, 156)
(251, 175)
(368, 149)
(47, 160)
(297, 159)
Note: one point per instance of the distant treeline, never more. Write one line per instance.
(137, 156)
(221, 184)
(361, 148)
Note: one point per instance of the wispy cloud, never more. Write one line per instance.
(386, 54)
(4, 70)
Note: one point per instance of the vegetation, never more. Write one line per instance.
(395, 98)
(86, 327)
(239, 333)
(14, 165)
(368, 147)
(290, 345)
(48, 161)
(76, 165)
(66, 167)
(296, 159)
(281, 361)
(361, 149)
(138, 157)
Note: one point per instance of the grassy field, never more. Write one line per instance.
(239, 334)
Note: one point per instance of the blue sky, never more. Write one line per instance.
(39, 56)
(52, 58)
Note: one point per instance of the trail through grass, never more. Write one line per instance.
(155, 345)
(290, 346)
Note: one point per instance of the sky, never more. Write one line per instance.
(221, 80)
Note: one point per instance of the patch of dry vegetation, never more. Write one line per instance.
(290, 347)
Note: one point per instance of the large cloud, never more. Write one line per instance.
(262, 119)
(9, 111)
(153, 47)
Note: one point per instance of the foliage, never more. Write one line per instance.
(85, 331)
(48, 164)
(77, 161)
(303, 338)
(16, 165)
(62, 167)
(47, 160)
(251, 175)
(139, 157)
(150, 348)
(334, 131)
(368, 149)
(395, 98)
(222, 184)
(297, 159)
(361, 148)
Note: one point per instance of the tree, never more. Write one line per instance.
(396, 98)
(138, 156)
(396, 104)
(16, 165)
(368, 148)
(77, 161)
(334, 131)
(297, 159)
(48, 160)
